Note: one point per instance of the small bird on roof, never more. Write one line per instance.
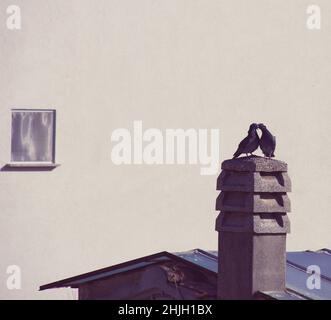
(250, 143)
(267, 141)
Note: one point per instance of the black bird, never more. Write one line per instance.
(250, 143)
(267, 141)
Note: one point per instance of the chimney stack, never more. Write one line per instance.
(252, 226)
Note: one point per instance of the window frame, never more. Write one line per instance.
(34, 164)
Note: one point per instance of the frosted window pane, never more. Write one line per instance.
(32, 136)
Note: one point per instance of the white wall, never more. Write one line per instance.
(172, 64)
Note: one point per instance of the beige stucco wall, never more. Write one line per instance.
(172, 64)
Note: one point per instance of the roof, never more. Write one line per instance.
(296, 272)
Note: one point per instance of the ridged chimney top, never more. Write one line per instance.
(255, 164)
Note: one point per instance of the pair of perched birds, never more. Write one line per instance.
(267, 142)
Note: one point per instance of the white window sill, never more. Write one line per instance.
(23, 164)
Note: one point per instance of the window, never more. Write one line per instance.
(33, 137)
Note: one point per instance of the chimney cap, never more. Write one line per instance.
(254, 164)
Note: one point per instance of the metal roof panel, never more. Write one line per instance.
(296, 274)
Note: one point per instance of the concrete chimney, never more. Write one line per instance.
(252, 226)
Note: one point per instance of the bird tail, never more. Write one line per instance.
(236, 154)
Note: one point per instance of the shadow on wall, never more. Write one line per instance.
(27, 168)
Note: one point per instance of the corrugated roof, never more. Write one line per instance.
(296, 272)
